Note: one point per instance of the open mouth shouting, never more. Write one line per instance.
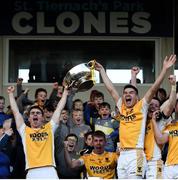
(35, 119)
(128, 100)
(71, 147)
(105, 116)
(78, 121)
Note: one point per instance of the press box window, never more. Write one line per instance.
(50, 60)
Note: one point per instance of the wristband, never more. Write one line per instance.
(173, 88)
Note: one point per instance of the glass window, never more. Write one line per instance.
(176, 73)
(50, 60)
(115, 77)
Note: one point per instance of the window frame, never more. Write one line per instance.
(6, 40)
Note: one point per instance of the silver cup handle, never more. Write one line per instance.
(91, 64)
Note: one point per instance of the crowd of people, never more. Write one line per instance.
(65, 138)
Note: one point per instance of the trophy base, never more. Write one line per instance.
(85, 86)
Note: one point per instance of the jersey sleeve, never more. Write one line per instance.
(145, 104)
(119, 103)
(21, 130)
(54, 125)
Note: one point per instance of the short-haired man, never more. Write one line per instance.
(99, 163)
(65, 172)
(132, 117)
(38, 141)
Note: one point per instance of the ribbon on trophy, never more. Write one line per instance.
(92, 67)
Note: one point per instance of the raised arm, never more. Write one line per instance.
(20, 100)
(60, 107)
(110, 87)
(160, 138)
(71, 163)
(168, 62)
(53, 94)
(19, 86)
(17, 115)
(169, 105)
(134, 71)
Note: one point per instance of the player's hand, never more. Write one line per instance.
(135, 70)
(55, 85)
(169, 61)
(9, 132)
(172, 79)
(98, 66)
(10, 89)
(19, 81)
(65, 144)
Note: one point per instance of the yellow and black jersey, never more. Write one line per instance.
(172, 156)
(100, 165)
(38, 145)
(132, 124)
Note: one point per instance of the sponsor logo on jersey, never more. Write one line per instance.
(39, 136)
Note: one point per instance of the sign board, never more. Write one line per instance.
(87, 18)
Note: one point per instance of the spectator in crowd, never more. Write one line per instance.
(55, 95)
(161, 94)
(3, 115)
(60, 134)
(77, 104)
(92, 107)
(22, 96)
(9, 142)
(5, 163)
(88, 147)
(14, 149)
(65, 171)
(92, 96)
(108, 125)
(40, 97)
(38, 138)
(48, 112)
(79, 128)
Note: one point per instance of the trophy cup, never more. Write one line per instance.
(81, 77)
